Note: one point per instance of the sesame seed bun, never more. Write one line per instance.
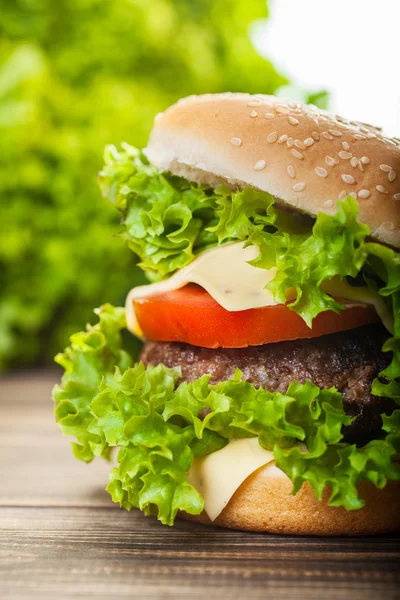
(264, 503)
(307, 158)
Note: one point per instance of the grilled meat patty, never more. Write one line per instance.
(348, 360)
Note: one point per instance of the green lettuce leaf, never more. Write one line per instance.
(107, 402)
(168, 220)
(90, 360)
(386, 262)
(335, 246)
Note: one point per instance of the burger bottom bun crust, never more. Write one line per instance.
(264, 503)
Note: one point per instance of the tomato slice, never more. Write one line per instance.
(191, 315)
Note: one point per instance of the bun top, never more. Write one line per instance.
(306, 157)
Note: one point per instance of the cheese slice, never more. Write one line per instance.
(218, 475)
(225, 273)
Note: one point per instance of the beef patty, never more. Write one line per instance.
(348, 361)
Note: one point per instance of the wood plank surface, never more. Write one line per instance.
(61, 536)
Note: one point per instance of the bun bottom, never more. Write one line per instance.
(263, 503)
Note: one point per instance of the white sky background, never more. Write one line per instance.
(349, 47)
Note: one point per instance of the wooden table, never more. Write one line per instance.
(62, 537)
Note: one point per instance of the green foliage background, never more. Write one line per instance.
(75, 75)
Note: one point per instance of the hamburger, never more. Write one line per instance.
(266, 394)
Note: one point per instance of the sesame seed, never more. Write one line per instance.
(353, 195)
(272, 137)
(308, 142)
(235, 141)
(392, 175)
(365, 160)
(282, 139)
(385, 168)
(330, 161)
(373, 127)
(327, 135)
(299, 144)
(359, 136)
(342, 195)
(372, 136)
(260, 165)
(297, 154)
(281, 109)
(298, 187)
(293, 120)
(348, 178)
(354, 161)
(360, 166)
(335, 132)
(315, 135)
(396, 196)
(364, 129)
(292, 104)
(290, 142)
(269, 115)
(254, 103)
(344, 155)
(364, 194)
(291, 171)
(327, 203)
(345, 146)
(254, 114)
(382, 189)
(321, 172)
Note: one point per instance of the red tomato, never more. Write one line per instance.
(191, 315)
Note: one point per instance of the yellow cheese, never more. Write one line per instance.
(218, 475)
(236, 285)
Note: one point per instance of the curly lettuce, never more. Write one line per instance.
(167, 220)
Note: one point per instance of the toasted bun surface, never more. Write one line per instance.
(264, 503)
(305, 157)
